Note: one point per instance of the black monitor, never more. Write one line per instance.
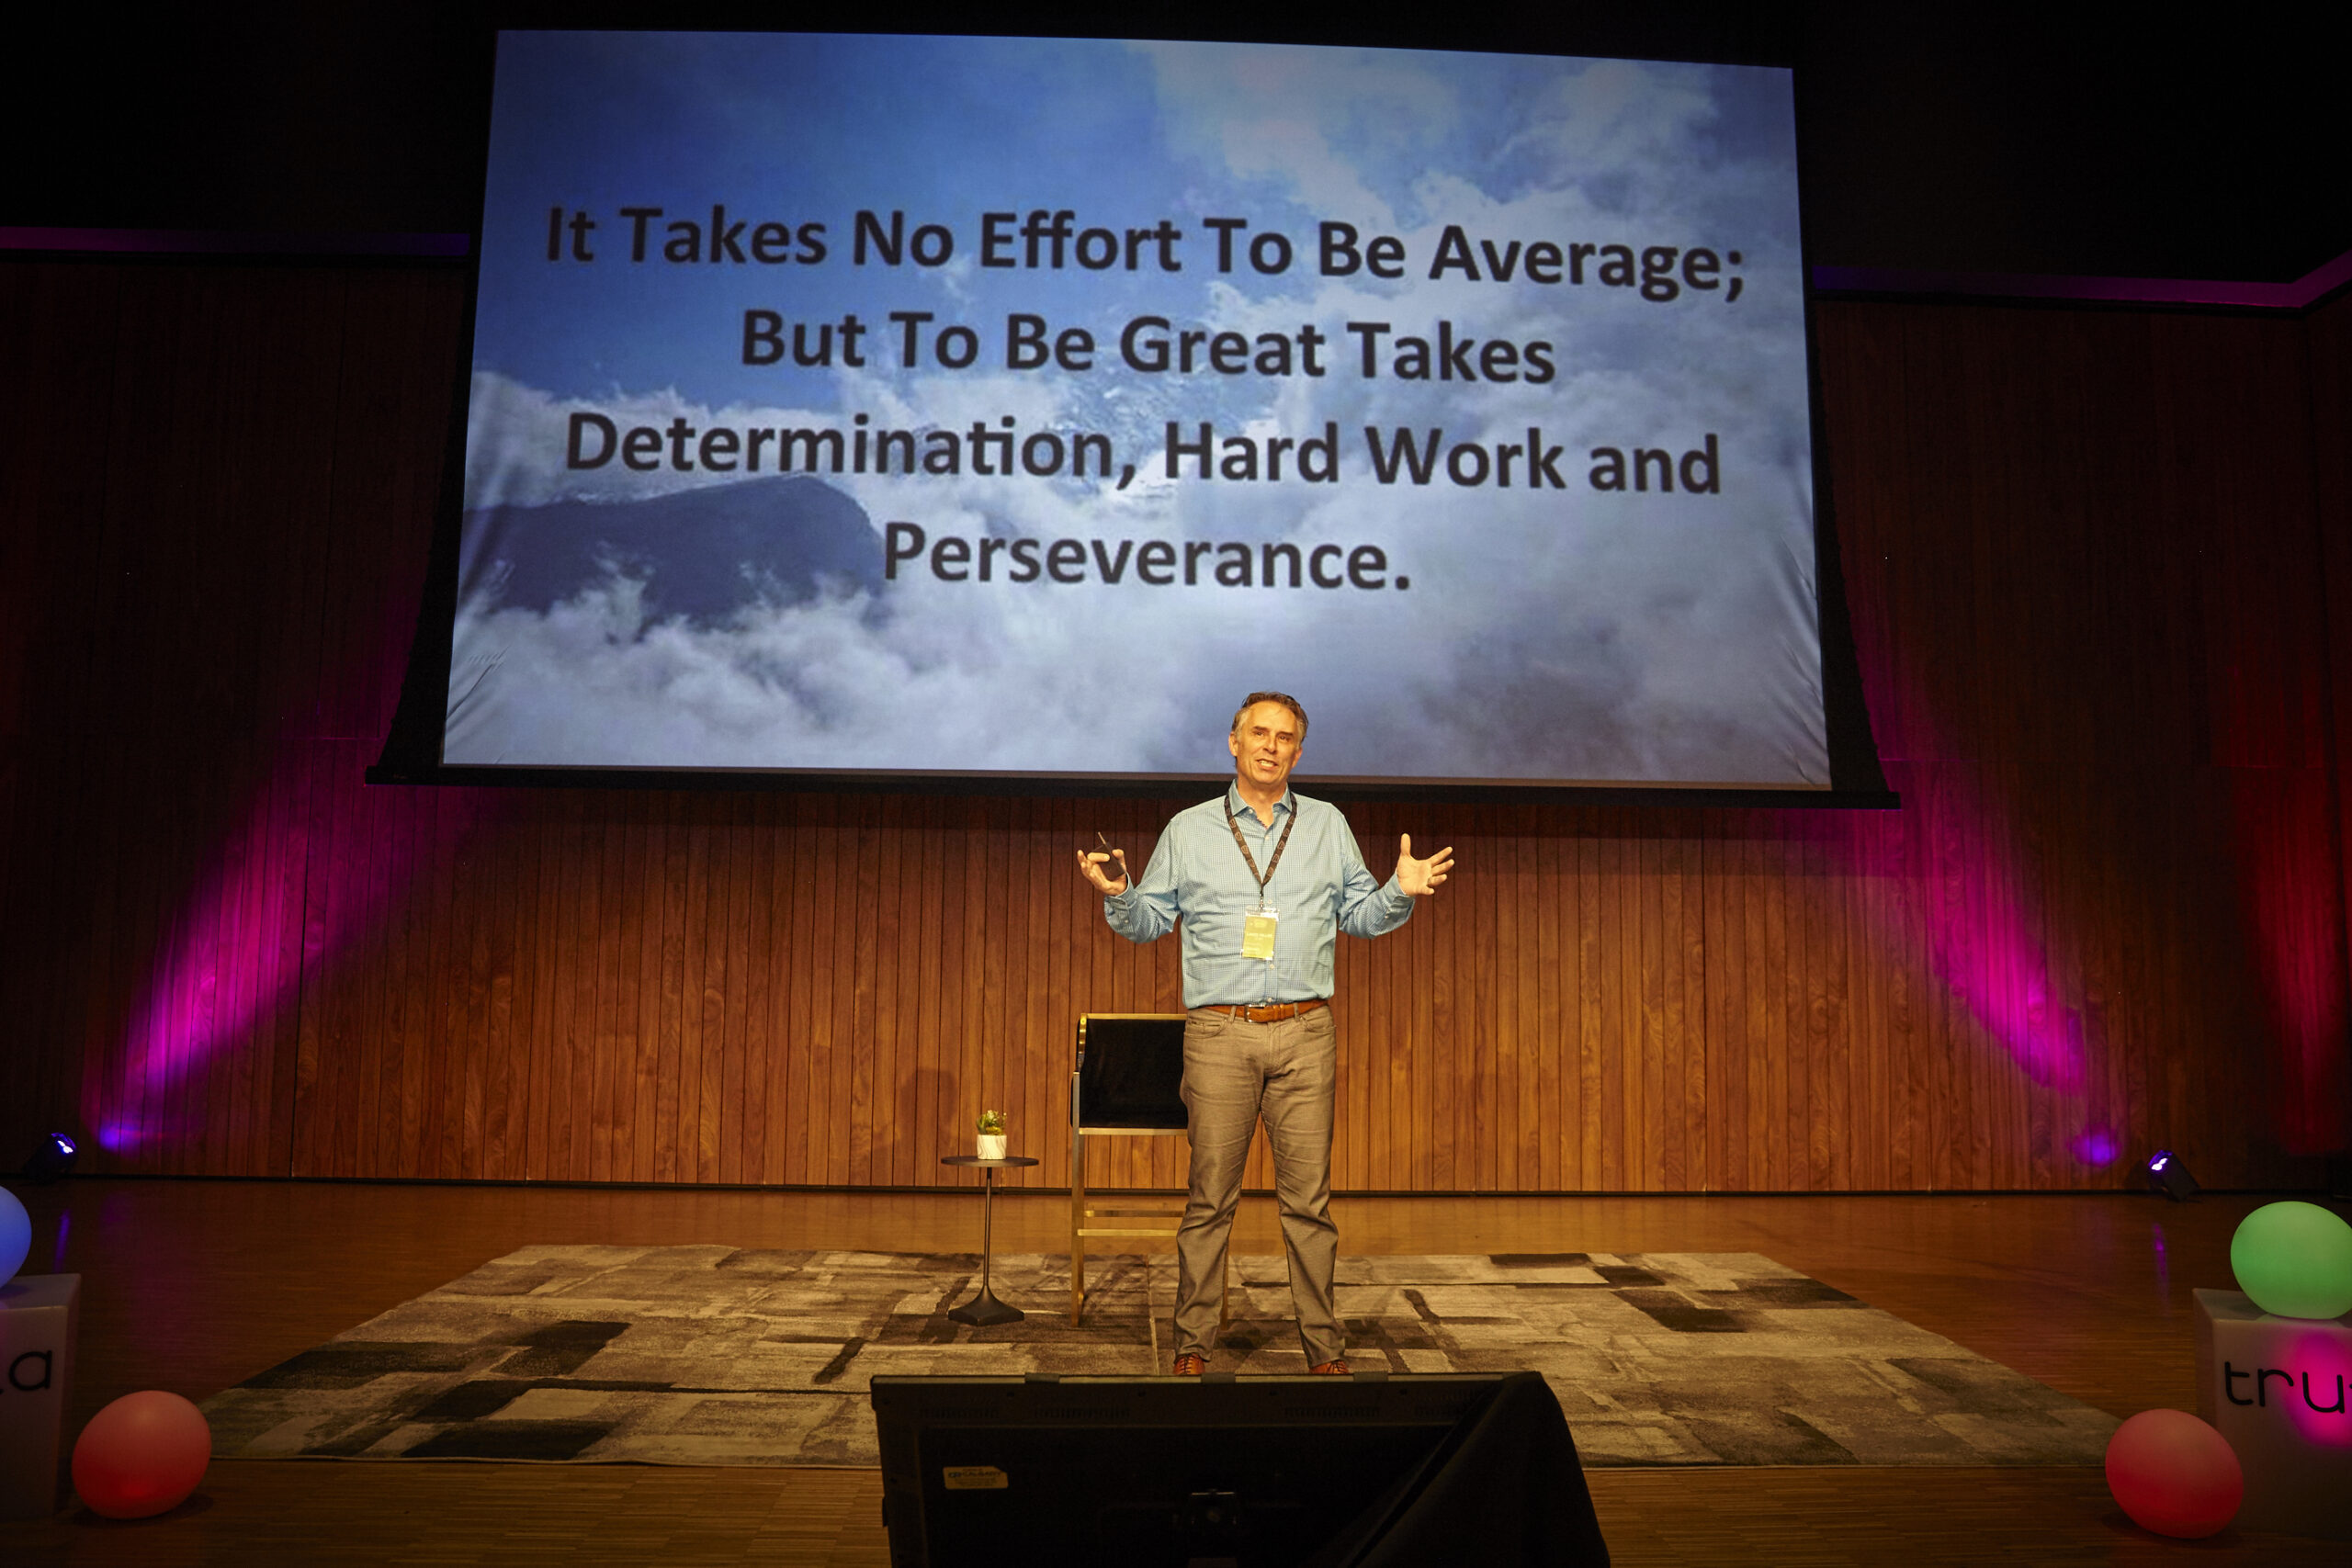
(1130, 1067)
(1149, 1471)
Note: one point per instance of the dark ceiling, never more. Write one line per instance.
(1964, 136)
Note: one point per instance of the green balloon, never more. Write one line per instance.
(2294, 1259)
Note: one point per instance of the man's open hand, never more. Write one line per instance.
(1421, 877)
(1096, 864)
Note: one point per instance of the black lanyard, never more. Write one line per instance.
(1251, 861)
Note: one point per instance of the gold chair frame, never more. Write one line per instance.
(1166, 1221)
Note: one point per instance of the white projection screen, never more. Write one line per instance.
(993, 406)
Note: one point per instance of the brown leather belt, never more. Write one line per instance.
(1271, 1012)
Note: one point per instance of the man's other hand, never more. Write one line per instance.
(1096, 866)
(1421, 877)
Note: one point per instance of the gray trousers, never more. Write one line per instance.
(1236, 1072)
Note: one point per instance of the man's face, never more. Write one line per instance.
(1265, 746)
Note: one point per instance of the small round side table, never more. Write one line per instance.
(984, 1310)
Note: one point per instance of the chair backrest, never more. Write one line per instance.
(1130, 1071)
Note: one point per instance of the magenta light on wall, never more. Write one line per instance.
(246, 942)
(2095, 1146)
(1985, 943)
(261, 921)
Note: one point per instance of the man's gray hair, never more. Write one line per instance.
(1254, 698)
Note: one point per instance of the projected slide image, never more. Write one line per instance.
(974, 406)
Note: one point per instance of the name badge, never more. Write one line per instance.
(1258, 934)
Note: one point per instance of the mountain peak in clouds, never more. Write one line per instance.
(703, 555)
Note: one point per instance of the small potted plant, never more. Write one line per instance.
(991, 1135)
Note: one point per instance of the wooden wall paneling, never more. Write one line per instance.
(1604, 958)
(1681, 1022)
(1742, 1063)
(1723, 1080)
(605, 982)
(2083, 553)
(936, 883)
(1751, 1161)
(1053, 999)
(747, 1129)
(1584, 885)
(572, 987)
(1870, 842)
(453, 976)
(631, 913)
(793, 965)
(316, 1070)
(672, 1047)
(854, 988)
(2327, 343)
(867, 1036)
(1845, 963)
(426, 973)
(1475, 929)
(1535, 1024)
(1552, 911)
(395, 838)
(926, 919)
(1053, 996)
(1641, 1038)
(812, 962)
(1453, 1031)
(43, 410)
(288, 953)
(347, 1107)
(725, 1087)
(1523, 979)
(648, 920)
(504, 1059)
(1455, 1026)
(677, 1070)
(517, 1059)
(716, 991)
(1420, 993)
(787, 959)
(1692, 1029)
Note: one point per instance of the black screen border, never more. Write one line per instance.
(411, 752)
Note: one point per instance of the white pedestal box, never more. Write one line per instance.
(2276, 1387)
(38, 1312)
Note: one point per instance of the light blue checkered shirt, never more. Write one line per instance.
(1197, 877)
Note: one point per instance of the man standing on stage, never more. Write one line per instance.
(1264, 880)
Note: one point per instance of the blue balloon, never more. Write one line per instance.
(16, 1235)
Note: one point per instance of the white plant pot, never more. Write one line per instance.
(991, 1145)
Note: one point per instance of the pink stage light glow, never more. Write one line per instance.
(257, 924)
(236, 958)
(2319, 1366)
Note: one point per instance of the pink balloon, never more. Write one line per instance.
(140, 1455)
(2173, 1474)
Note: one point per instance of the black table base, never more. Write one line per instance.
(984, 1310)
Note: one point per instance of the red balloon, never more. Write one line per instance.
(140, 1455)
(2173, 1474)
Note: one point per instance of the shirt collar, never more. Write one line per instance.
(1240, 808)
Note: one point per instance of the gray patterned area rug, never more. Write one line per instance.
(716, 1356)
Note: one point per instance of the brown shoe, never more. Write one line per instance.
(1337, 1368)
(1191, 1364)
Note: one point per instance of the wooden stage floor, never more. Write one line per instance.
(192, 1285)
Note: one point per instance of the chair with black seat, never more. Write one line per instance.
(1128, 1083)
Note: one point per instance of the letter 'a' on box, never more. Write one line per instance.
(37, 1318)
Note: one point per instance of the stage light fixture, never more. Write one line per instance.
(2167, 1175)
(51, 1158)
